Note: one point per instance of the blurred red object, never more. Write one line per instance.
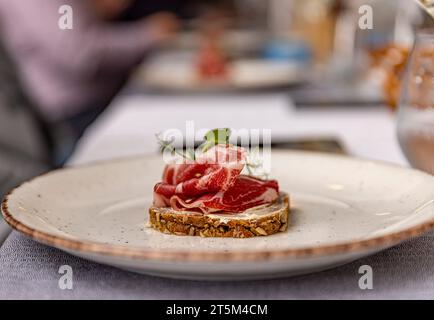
(212, 63)
(212, 60)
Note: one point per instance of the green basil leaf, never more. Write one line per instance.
(217, 136)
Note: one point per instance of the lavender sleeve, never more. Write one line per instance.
(102, 49)
(91, 47)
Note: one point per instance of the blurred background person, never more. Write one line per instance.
(72, 75)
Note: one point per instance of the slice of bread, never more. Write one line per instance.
(258, 221)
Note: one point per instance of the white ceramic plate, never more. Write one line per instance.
(342, 209)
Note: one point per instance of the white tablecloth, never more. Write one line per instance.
(130, 125)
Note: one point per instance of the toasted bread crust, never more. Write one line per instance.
(179, 223)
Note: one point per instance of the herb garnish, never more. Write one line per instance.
(212, 138)
(215, 137)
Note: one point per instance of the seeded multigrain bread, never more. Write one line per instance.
(259, 221)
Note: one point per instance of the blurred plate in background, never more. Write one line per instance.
(177, 72)
(254, 63)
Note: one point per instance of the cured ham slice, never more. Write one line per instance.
(247, 192)
(213, 183)
(213, 171)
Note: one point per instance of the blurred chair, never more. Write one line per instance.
(25, 144)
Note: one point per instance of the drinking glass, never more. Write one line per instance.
(416, 107)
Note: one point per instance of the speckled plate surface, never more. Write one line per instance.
(342, 209)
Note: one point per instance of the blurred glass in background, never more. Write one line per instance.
(416, 109)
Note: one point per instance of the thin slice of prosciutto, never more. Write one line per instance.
(213, 183)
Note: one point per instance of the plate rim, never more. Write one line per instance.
(137, 253)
